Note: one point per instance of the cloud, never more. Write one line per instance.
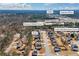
(16, 6)
(70, 8)
(61, 6)
(47, 4)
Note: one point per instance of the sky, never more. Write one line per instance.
(39, 6)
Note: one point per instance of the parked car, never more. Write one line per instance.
(34, 53)
(52, 38)
(57, 49)
(72, 35)
(38, 46)
(37, 37)
(53, 41)
(78, 37)
(68, 40)
(74, 47)
(18, 45)
(38, 40)
(50, 34)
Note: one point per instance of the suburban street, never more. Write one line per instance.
(46, 44)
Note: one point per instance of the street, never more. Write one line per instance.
(46, 44)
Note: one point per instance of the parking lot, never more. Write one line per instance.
(64, 43)
(52, 43)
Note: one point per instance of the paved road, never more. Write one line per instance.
(47, 48)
